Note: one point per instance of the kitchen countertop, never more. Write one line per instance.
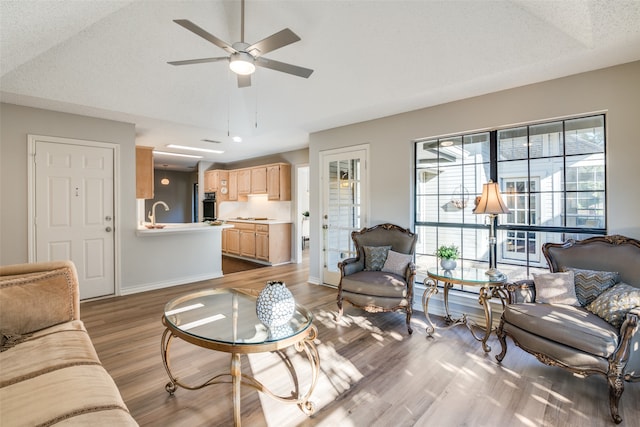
(173, 228)
(251, 220)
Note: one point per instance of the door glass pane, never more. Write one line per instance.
(343, 210)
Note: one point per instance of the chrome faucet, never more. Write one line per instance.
(152, 212)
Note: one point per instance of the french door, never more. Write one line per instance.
(344, 206)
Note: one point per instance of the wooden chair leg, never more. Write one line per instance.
(409, 313)
(616, 387)
(502, 337)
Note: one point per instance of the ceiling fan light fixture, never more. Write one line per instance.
(242, 63)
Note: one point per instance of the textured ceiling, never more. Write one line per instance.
(371, 59)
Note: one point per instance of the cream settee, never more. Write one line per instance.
(50, 373)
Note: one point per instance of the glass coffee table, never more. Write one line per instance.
(225, 320)
(489, 287)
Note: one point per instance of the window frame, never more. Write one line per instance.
(430, 227)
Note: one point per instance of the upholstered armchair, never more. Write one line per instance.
(380, 278)
(591, 331)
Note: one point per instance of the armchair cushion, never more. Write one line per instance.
(569, 325)
(374, 257)
(397, 263)
(591, 283)
(375, 283)
(555, 288)
(613, 304)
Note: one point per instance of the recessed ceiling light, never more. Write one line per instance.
(446, 143)
(164, 153)
(204, 150)
(237, 139)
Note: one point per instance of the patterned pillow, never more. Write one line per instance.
(374, 257)
(614, 303)
(591, 283)
(555, 288)
(396, 263)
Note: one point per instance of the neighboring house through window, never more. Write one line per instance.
(551, 175)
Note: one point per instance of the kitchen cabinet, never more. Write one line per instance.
(248, 242)
(279, 182)
(274, 180)
(224, 240)
(232, 241)
(259, 180)
(217, 181)
(233, 186)
(267, 243)
(244, 182)
(262, 242)
(144, 172)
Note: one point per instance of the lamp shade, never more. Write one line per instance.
(491, 201)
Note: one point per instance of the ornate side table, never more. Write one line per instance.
(489, 287)
(225, 320)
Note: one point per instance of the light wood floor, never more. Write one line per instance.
(372, 371)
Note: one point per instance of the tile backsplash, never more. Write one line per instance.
(255, 206)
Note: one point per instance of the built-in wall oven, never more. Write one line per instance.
(209, 207)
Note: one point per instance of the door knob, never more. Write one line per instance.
(108, 229)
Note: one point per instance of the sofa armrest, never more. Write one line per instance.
(628, 351)
(521, 291)
(38, 295)
(350, 265)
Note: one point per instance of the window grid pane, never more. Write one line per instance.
(552, 176)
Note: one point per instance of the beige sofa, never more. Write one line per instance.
(49, 370)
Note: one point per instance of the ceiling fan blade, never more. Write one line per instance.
(284, 67)
(204, 34)
(244, 80)
(198, 61)
(274, 41)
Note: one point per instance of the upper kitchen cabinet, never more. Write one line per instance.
(217, 181)
(259, 180)
(244, 182)
(274, 180)
(233, 186)
(279, 182)
(144, 172)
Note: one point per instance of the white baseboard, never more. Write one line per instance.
(166, 284)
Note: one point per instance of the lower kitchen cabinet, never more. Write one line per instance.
(268, 243)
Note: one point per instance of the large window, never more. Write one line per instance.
(552, 178)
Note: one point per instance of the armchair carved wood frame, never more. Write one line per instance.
(573, 338)
(378, 291)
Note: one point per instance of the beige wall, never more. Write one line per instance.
(614, 90)
(17, 122)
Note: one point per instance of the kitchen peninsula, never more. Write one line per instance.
(177, 254)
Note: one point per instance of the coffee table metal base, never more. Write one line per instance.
(238, 379)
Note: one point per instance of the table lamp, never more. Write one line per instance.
(491, 204)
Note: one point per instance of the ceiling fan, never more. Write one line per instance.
(244, 57)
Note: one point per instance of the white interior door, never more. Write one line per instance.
(73, 210)
(344, 205)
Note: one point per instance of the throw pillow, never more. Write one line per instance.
(591, 283)
(614, 303)
(555, 288)
(396, 263)
(374, 257)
